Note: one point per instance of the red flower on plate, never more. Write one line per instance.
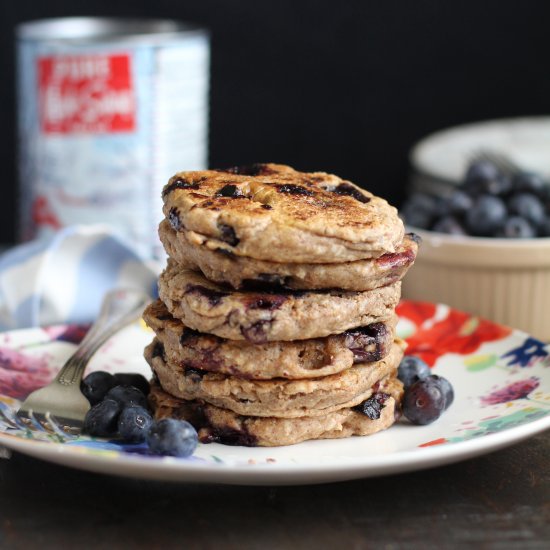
(511, 392)
(416, 312)
(457, 332)
(21, 374)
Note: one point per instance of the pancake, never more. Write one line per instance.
(222, 426)
(270, 316)
(278, 397)
(240, 272)
(297, 359)
(272, 212)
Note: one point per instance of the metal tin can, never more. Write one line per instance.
(108, 110)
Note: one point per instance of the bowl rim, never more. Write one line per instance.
(417, 153)
(470, 240)
(463, 251)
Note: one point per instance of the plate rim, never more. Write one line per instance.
(177, 470)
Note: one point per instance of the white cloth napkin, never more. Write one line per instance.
(62, 279)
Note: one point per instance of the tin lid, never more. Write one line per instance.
(100, 29)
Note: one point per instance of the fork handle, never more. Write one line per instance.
(120, 307)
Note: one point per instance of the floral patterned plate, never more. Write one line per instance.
(501, 379)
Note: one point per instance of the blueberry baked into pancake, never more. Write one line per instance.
(276, 319)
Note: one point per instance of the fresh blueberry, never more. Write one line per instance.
(441, 208)
(516, 227)
(501, 187)
(459, 202)
(420, 210)
(529, 182)
(424, 401)
(486, 217)
(127, 396)
(498, 187)
(411, 369)
(101, 420)
(449, 225)
(172, 437)
(96, 385)
(544, 228)
(481, 177)
(481, 170)
(527, 206)
(132, 379)
(446, 388)
(544, 196)
(133, 424)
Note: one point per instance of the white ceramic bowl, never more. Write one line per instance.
(505, 280)
(439, 161)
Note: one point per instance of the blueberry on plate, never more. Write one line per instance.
(425, 400)
(127, 396)
(172, 437)
(102, 419)
(132, 379)
(133, 424)
(411, 369)
(95, 386)
(446, 388)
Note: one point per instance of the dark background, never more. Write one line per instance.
(346, 87)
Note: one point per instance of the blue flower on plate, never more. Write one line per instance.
(526, 354)
(118, 446)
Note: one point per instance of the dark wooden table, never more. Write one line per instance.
(500, 500)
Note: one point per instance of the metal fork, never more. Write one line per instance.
(60, 404)
(502, 162)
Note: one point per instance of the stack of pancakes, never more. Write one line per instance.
(276, 318)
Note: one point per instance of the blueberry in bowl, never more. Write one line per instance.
(482, 204)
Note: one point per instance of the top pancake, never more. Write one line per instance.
(272, 212)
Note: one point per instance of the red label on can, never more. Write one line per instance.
(86, 94)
